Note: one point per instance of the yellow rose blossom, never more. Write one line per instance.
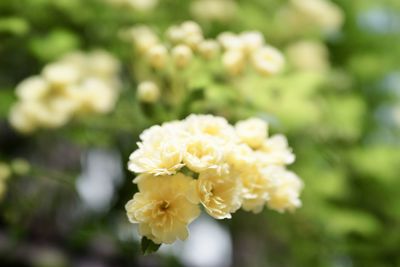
(255, 187)
(212, 126)
(285, 193)
(163, 208)
(276, 151)
(235, 168)
(161, 155)
(252, 131)
(219, 193)
(240, 155)
(202, 153)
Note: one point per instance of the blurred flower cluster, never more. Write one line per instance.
(168, 64)
(76, 84)
(203, 159)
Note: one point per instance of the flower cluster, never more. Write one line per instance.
(185, 46)
(205, 160)
(78, 83)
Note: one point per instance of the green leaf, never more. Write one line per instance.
(148, 246)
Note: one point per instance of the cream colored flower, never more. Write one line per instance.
(175, 34)
(322, 13)
(234, 61)
(268, 60)
(102, 64)
(256, 183)
(240, 156)
(204, 152)
(252, 41)
(252, 131)
(212, 126)
(219, 193)
(159, 155)
(275, 151)
(95, 95)
(21, 120)
(61, 74)
(191, 28)
(32, 88)
(213, 10)
(162, 208)
(148, 92)
(308, 55)
(208, 49)
(286, 191)
(181, 55)
(143, 37)
(230, 41)
(157, 56)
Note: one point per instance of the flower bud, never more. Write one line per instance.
(208, 49)
(157, 56)
(148, 92)
(252, 41)
(233, 61)
(181, 55)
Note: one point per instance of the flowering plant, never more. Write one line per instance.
(203, 160)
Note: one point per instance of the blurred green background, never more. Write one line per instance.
(343, 124)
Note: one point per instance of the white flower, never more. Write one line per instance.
(252, 131)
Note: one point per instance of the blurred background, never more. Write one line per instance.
(63, 189)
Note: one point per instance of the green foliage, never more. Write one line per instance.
(148, 246)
